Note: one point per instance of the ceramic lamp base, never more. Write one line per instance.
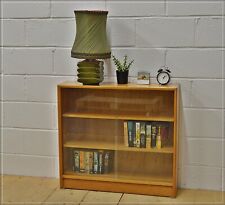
(90, 72)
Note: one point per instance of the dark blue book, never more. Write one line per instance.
(131, 133)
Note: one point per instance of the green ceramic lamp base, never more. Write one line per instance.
(90, 72)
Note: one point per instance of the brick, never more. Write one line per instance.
(148, 60)
(196, 63)
(13, 141)
(28, 165)
(120, 8)
(27, 61)
(203, 123)
(207, 93)
(66, 9)
(210, 32)
(26, 9)
(223, 179)
(14, 88)
(64, 64)
(122, 32)
(206, 152)
(1, 83)
(30, 142)
(189, 8)
(50, 32)
(202, 177)
(46, 91)
(185, 90)
(29, 115)
(10, 28)
(164, 32)
(1, 67)
(40, 32)
(64, 32)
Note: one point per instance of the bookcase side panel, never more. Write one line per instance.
(60, 134)
(175, 136)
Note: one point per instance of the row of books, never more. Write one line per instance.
(92, 161)
(146, 134)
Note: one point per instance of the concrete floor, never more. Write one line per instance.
(36, 190)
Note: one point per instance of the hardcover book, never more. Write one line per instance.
(125, 134)
(86, 161)
(107, 162)
(137, 134)
(142, 135)
(130, 133)
(153, 136)
(82, 162)
(100, 162)
(95, 162)
(90, 162)
(148, 135)
(76, 158)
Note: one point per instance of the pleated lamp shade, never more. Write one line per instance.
(91, 39)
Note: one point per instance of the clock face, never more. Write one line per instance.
(163, 78)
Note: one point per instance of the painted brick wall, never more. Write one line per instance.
(185, 35)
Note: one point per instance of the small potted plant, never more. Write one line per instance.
(122, 69)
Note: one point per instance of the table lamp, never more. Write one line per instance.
(90, 44)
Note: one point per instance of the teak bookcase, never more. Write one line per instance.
(92, 118)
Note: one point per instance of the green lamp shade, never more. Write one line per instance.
(91, 39)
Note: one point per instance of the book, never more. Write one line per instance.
(158, 139)
(76, 158)
(125, 134)
(91, 162)
(107, 162)
(142, 135)
(130, 133)
(86, 161)
(165, 136)
(148, 135)
(137, 140)
(100, 162)
(82, 162)
(153, 136)
(95, 162)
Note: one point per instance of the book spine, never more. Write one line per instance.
(107, 162)
(142, 135)
(90, 162)
(134, 133)
(148, 135)
(100, 160)
(137, 134)
(95, 163)
(86, 159)
(126, 143)
(76, 157)
(82, 162)
(130, 134)
(153, 136)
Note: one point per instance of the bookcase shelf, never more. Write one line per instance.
(111, 146)
(124, 177)
(94, 138)
(119, 117)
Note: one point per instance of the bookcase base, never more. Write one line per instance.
(119, 187)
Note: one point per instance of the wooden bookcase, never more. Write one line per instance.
(92, 118)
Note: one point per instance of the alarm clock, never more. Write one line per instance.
(163, 76)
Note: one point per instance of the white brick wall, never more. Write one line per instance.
(185, 35)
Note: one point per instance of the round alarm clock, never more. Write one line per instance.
(163, 76)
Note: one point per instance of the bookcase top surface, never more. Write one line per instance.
(129, 86)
